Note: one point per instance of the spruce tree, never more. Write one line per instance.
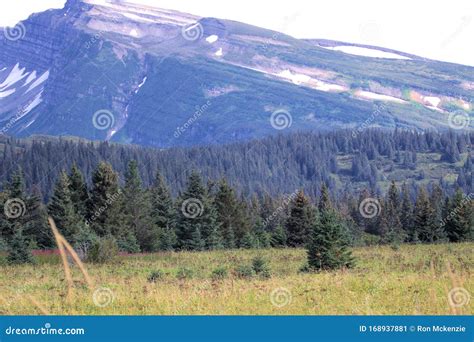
(328, 247)
(137, 210)
(36, 228)
(300, 220)
(324, 199)
(197, 217)
(14, 208)
(425, 226)
(62, 210)
(459, 218)
(406, 213)
(392, 229)
(78, 190)
(227, 211)
(190, 208)
(105, 194)
(19, 249)
(163, 214)
(279, 237)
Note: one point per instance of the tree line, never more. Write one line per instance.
(209, 215)
(343, 161)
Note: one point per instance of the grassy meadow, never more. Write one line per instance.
(406, 280)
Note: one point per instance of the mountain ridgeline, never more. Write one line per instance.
(132, 74)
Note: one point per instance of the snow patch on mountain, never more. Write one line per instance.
(379, 97)
(212, 39)
(362, 51)
(20, 92)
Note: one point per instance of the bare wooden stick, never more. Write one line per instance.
(59, 242)
(78, 261)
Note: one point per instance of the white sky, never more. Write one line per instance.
(438, 29)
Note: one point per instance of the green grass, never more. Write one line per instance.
(407, 280)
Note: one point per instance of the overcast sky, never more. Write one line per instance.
(439, 29)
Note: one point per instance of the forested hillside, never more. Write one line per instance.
(212, 216)
(372, 187)
(347, 161)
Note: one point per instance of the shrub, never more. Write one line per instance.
(244, 271)
(370, 239)
(156, 276)
(103, 250)
(3, 245)
(260, 267)
(328, 248)
(184, 273)
(305, 268)
(19, 250)
(219, 273)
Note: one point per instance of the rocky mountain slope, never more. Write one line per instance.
(137, 74)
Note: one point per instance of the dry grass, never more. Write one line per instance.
(410, 280)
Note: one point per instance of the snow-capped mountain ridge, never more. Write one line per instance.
(152, 67)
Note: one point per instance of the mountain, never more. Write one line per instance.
(137, 74)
